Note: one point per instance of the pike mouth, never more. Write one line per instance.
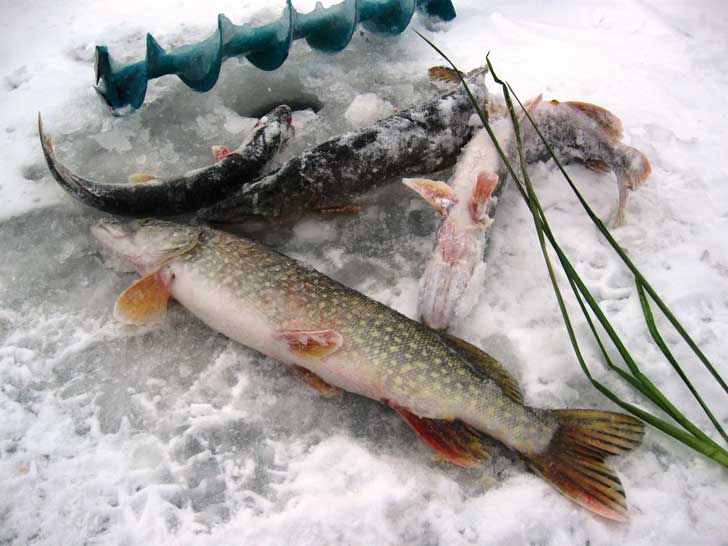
(114, 238)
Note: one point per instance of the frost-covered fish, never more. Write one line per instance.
(451, 393)
(579, 131)
(146, 195)
(466, 204)
(423, 139)
(576, 131)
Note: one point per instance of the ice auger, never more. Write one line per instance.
(198, 65)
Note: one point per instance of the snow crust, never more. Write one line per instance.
(174, 435)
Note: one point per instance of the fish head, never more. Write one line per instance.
(146, 244)
(454, 269)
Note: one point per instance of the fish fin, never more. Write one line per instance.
(339, 211)
(483, 363)
(443, 74)
(140, 178)
(219, 152)
(496, 109)
(454, 440)
(574, 460)
(596, 165)
(145, 300)
(314, 381)
(436, 193)
(482, 191)
(529, 106)
(311, 343)
(629, 178)
(611, 124)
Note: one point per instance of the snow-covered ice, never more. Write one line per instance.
(174, 435)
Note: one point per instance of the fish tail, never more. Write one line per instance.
(633, 170)
(574, 461)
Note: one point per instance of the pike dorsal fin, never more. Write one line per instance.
(146, 300)
(485, 364)
(611, 124)
(454, 440)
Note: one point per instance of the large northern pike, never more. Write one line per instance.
(146, 195)
(451, 393)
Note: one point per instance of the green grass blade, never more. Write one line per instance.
(700, 442)
(654, 332)
(630, 265)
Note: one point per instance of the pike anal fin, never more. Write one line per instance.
(314, 381)
(454, 440)
(146, 300)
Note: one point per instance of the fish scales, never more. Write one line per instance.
(407, 361)
(451, 393)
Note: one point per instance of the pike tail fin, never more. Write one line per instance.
(574, 461)
(634, 168)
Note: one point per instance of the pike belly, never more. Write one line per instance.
(247, 321)
(384, 355)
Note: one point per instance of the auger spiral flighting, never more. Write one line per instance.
(327, 29)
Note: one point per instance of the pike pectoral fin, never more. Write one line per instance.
(454, 440)
(140, 178)
(485, 364)
(482, 191)
(443, 74)
(311, 343)
(339, 211)
(144, 301)
(596, 165)
(436, 193)
(315, 381)
(574, 460)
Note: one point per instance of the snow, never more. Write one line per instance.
(172, 434)
(366, 109)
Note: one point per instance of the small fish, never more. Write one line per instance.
(146, 194)
(579, 131)
(422, 139)
(453, 395)
(467, 205)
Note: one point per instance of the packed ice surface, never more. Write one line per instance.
(172, 434)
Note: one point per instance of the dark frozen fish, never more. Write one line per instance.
(579, 131)
(422, 139)
(150, 196)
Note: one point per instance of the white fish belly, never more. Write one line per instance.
(236, 318)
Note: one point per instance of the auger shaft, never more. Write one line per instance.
(266, 47)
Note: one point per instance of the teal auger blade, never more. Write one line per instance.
(266, 47)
